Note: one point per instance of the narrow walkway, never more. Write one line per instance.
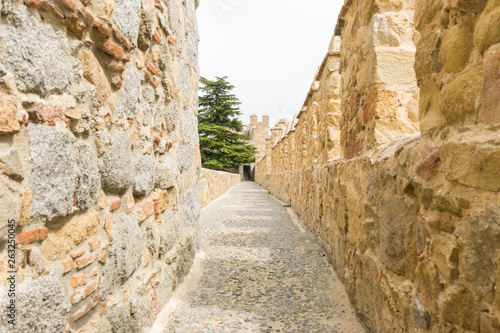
(258, 270)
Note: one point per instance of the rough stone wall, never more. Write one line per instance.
(214, 184)
(413, 226)
(99, 159)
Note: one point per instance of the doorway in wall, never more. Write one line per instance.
(247, 172)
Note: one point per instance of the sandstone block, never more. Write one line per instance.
(445, 256)
(11, 196)
(459, 99)
(53, 173)
(37, 55)
(487, 27)
(490, 106)
(94, 73)
(116, 167)
(8, 114)
(62, 240)
(394, 66)
(456, 306)
(161, 200)
(456, 47)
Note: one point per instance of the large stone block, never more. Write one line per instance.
(116, 167)
(166, 175)
(129, 93)
(487, 27)
(184, 78)
(456, 306)
(53, 172)
(42, 306)
(63, 238)
(191, 205)
(394, 66)
(121, 320)
(460, 98)
(490, 106)
(127, 18)
(185, 157)
(36, 54)
(190, 124)
(125, 252)
(88, 175)
(144, 175)
(456, 47)
(94, 73)
(472, 164)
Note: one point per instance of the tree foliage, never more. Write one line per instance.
(221, 146)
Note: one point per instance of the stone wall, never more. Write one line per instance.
(411, 226)
(99, 159)
(214, 184)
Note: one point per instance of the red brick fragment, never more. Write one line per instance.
(68, 4)
(115, 204)
(78, 280)
(77, 254)
(85, 309)
(122, 39)
(157, 37)
(127, 58)
(33, 3)
(89, 41)
(101, 28)
(112, 49)
(67, 265)
(50, 8)
(150, 77)
(32, 235)
(87, 260)
(91, 287)
(76, 297)
(116, 67)
(172, 40)
(94, 244)
(45, 114)
(152, 68)
(87, 16)
(75, 26)
(116, 82)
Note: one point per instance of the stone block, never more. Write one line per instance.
(125, 253)
(487, 27)
(33, 235)
(191, 205)
(166, 175)
(456, 47)
(36, 54)
(127, 17)
(185, 157)
(94, 73)
(190, 124)
(8, 114)
(472, 164)
(460, 98)
(420, 315)
(121, 320)
(445, 256)
(490, 106)
(129, 92)
(88, 175)
(42, 306)
(184, 78)
(161, 200)
(116, 167)
(144, 175)
(53, 172)
(62, 239)
(456, 306)
(394, 66)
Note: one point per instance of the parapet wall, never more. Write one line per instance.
(99, 160)
(214, 184)
(412, 226)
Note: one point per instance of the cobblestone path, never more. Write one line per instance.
(258, 270)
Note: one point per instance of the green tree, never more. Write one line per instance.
(221, 146)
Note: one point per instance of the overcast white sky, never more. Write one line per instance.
(269, 49)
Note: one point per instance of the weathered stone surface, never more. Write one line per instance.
(127, 17)
(37, 55)
(456, 307)
(386, 29)
(145, 35)
(191, 45)
(63, 238)
(166, 175)
(88, 175)
(185, 157)
(116, 167)
(421, 316)
(490, 106)
(11, 196)
(184, 78)
(42, 306)
(487, 27)
(94, 73)
(144, 175)
(148, 104)
(11, 165)
(386, 72)
(191, 206)
(129, 92)
(472, 164)
(121, 320)
(53, 172)
(480, 251)
(456, 47)
(460, 98)
(171, 230)
(8, 114)
(190, 124)
(125, 252)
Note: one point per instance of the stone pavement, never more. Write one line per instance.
(258, 270)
